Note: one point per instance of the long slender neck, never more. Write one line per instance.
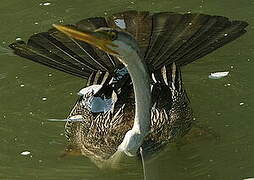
(140, 79)
(134, 138)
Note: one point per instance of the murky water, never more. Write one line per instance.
(31, 93)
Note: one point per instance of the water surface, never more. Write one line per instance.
(31, 94)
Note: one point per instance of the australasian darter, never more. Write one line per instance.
(132, 62)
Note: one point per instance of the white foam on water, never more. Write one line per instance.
(25, 153)
(218, 75)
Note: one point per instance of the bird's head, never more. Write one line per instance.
(112, 41)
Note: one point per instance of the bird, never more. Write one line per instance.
(132, 60)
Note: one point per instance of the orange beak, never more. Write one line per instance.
(93, 38)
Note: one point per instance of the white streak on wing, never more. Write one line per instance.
(173, 75)
(151, 87)
(120, 23)
(153, 77)
(95, 104)
(90, 89)
(164, 75)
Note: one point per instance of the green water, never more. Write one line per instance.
(31, 93)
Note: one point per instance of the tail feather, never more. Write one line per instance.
(190, 37)
(77, 52)
(58, 51)
(186, 27)
(92, 24)
(210, 26)
(235, 30)
(138, 23)
(43, 56)
(162, 28)
(163, 38)
(57, 48)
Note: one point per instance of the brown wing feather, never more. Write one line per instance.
(183, 38)
(169, 37)
(139, 24)
(163, 38)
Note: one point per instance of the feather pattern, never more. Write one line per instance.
(163, 38)
(167, 41)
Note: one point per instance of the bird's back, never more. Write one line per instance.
(100, 133)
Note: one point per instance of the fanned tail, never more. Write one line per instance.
(58, 51)
(185, 38)
(163, 38)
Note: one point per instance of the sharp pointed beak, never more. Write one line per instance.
(91, 37)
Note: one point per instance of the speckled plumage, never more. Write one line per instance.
(99, 135)
(167, 41)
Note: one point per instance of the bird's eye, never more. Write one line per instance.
(112, 35)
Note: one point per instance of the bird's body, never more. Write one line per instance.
(171, 117)
(105, 112)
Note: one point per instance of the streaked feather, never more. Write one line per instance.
(167, 41)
